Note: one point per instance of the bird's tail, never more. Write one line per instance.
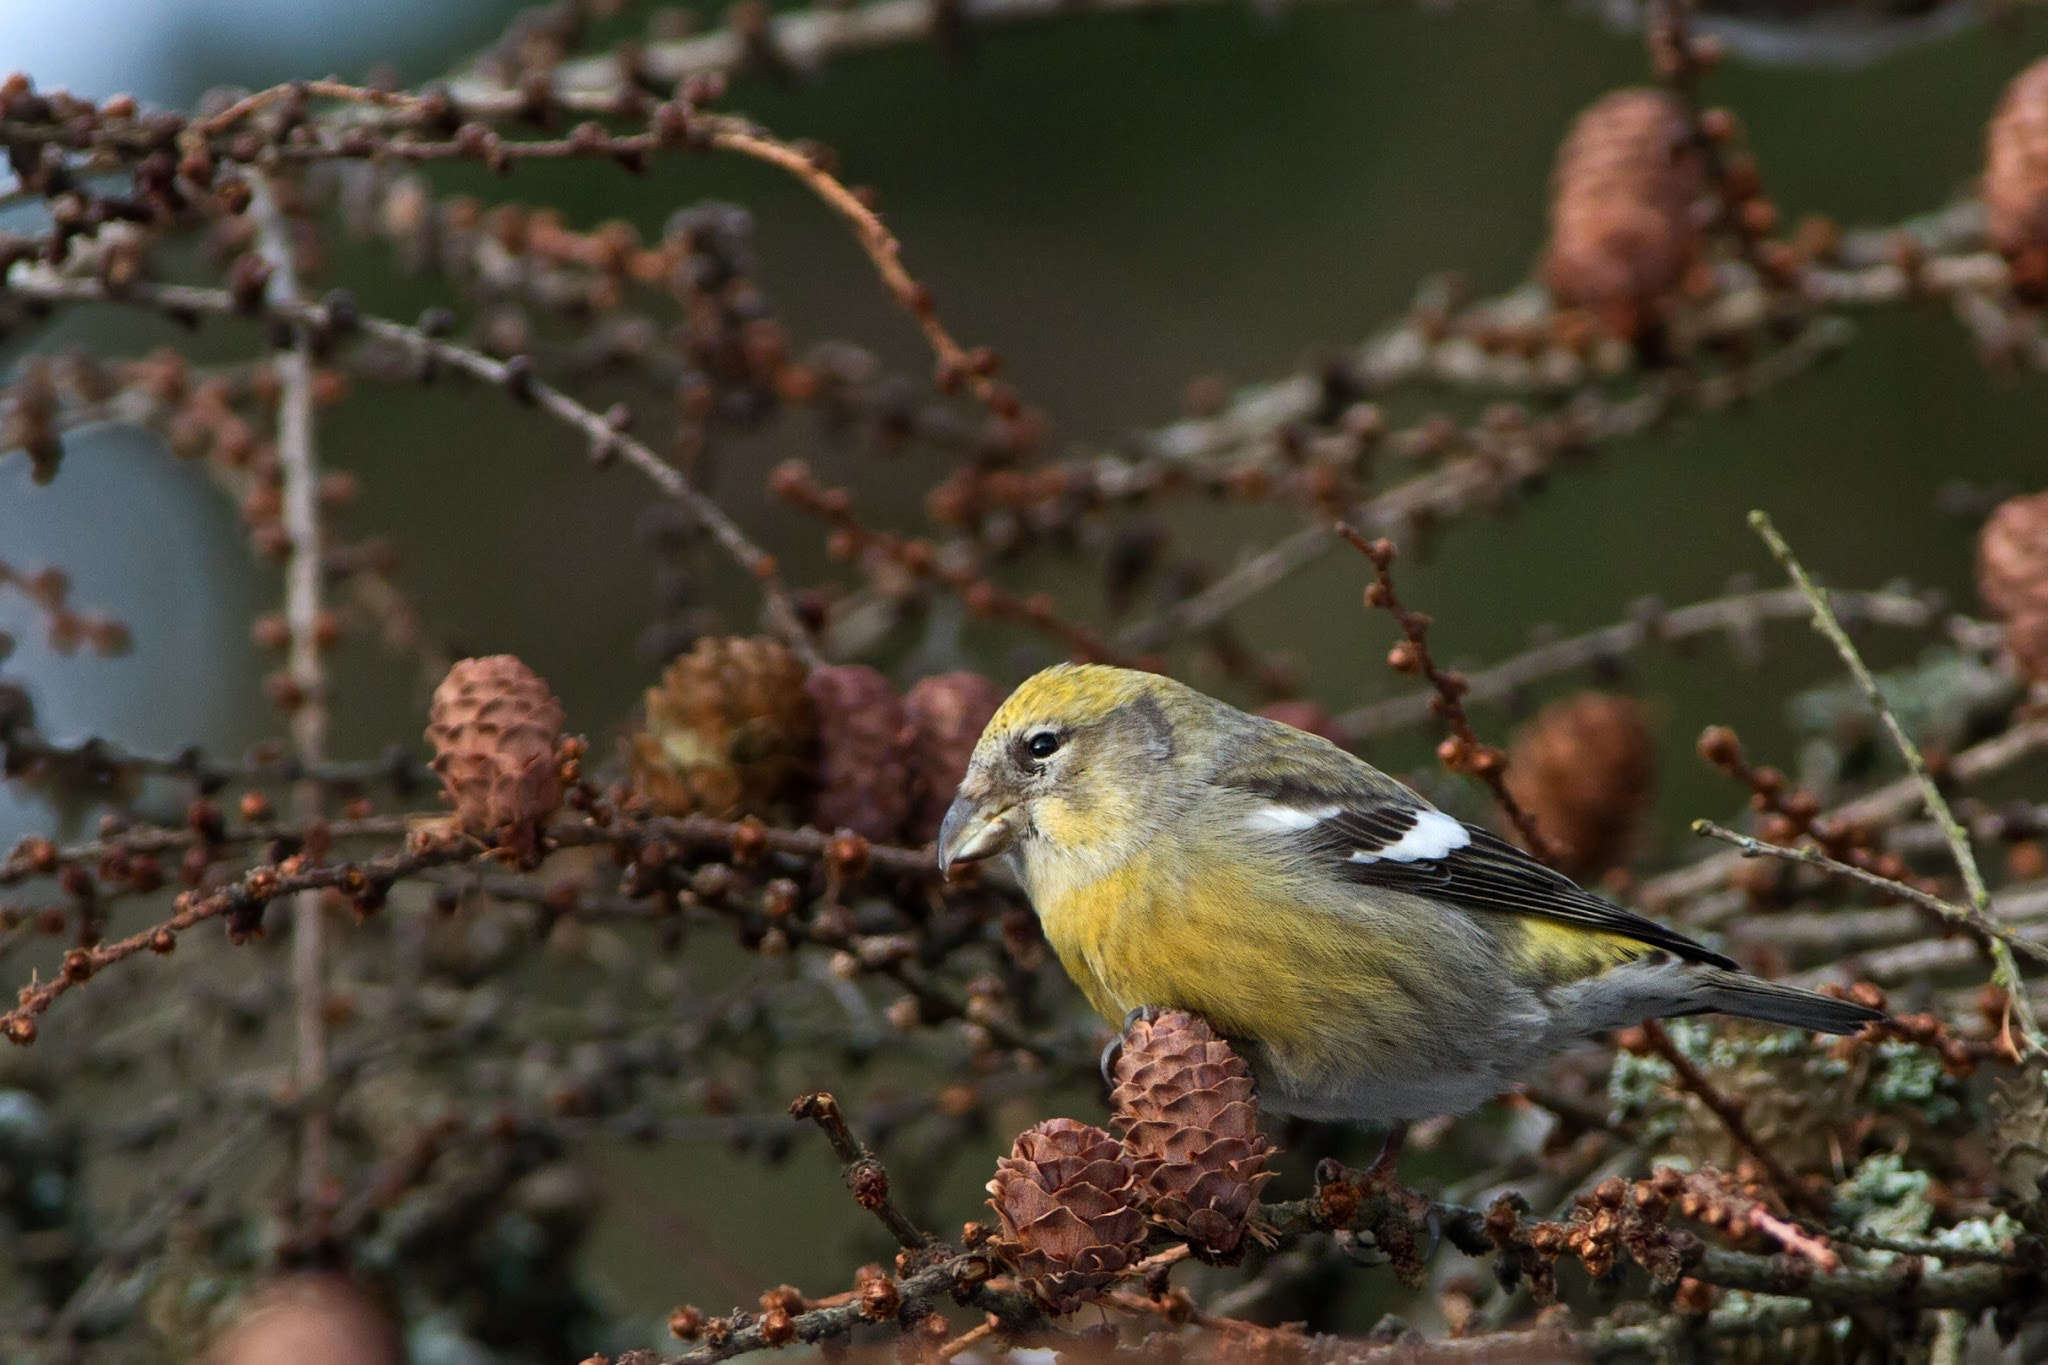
(1752, 997)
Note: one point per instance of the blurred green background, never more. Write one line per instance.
(1117, 204)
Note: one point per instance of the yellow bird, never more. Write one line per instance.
(1376, 959)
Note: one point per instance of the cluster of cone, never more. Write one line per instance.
(737, 726)
(1631, 200)
(1077, 1204)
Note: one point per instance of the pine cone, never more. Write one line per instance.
(2012, 556)
(2016, 180)
(1624, 211)
(728, 732)
(1187, 1106)
(863, 772)
(495, 729)
(947, 713)
(1071, 1217)
(1585, 767)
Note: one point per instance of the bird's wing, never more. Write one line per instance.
(1374, 837)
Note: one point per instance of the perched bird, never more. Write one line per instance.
(1374, 958)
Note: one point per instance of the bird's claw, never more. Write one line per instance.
(1148, 1013)
(1359, 1251)
(1413, 1210)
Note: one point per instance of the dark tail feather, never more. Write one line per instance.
(1752, 997)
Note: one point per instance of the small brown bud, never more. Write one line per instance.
(878, 1297)
(1719, 746)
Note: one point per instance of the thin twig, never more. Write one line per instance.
(806, 38)
(967, 1340)
(2004, 971)
(1796, 1240)
(1729, 1111)
(956, 365)
(299, 467)
(673, 126)
(863, 1172)
(513, 375)
(243, 898)
(1491, 470)
(1955, 1255)
(1678, 59)
(1963, 915)
(1464, 751)
(1731, 614)
(1888, 803)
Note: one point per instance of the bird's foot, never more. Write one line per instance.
(1383, 1178)
(1148, 1013)
(1372, 1183)
(1343, 1191)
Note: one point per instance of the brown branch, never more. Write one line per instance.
(242, 904)
(37, 857)
(674, 125)
(956, 366)
(1680, 60)
(300, 91)
(515, 376)
(863, 1172)
(1888, 803)
(1728, 1110)
(1464, 752)
(1617, 1218)
(922, 560)
(1984, 928)
(1493, 468)
(1731, 615)
(805, 39)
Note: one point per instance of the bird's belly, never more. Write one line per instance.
(1403, 1083)
(1367, 1018)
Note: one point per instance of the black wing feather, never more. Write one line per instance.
(1488, 874)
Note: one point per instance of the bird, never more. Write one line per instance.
(1376, 960)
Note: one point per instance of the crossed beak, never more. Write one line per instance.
(969, 835)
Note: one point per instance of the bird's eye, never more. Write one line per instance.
(1043, 744)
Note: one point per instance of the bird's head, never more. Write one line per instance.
(1073, 765)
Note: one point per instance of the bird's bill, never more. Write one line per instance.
(969, 834)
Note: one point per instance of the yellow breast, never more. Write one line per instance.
(1218, 942)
